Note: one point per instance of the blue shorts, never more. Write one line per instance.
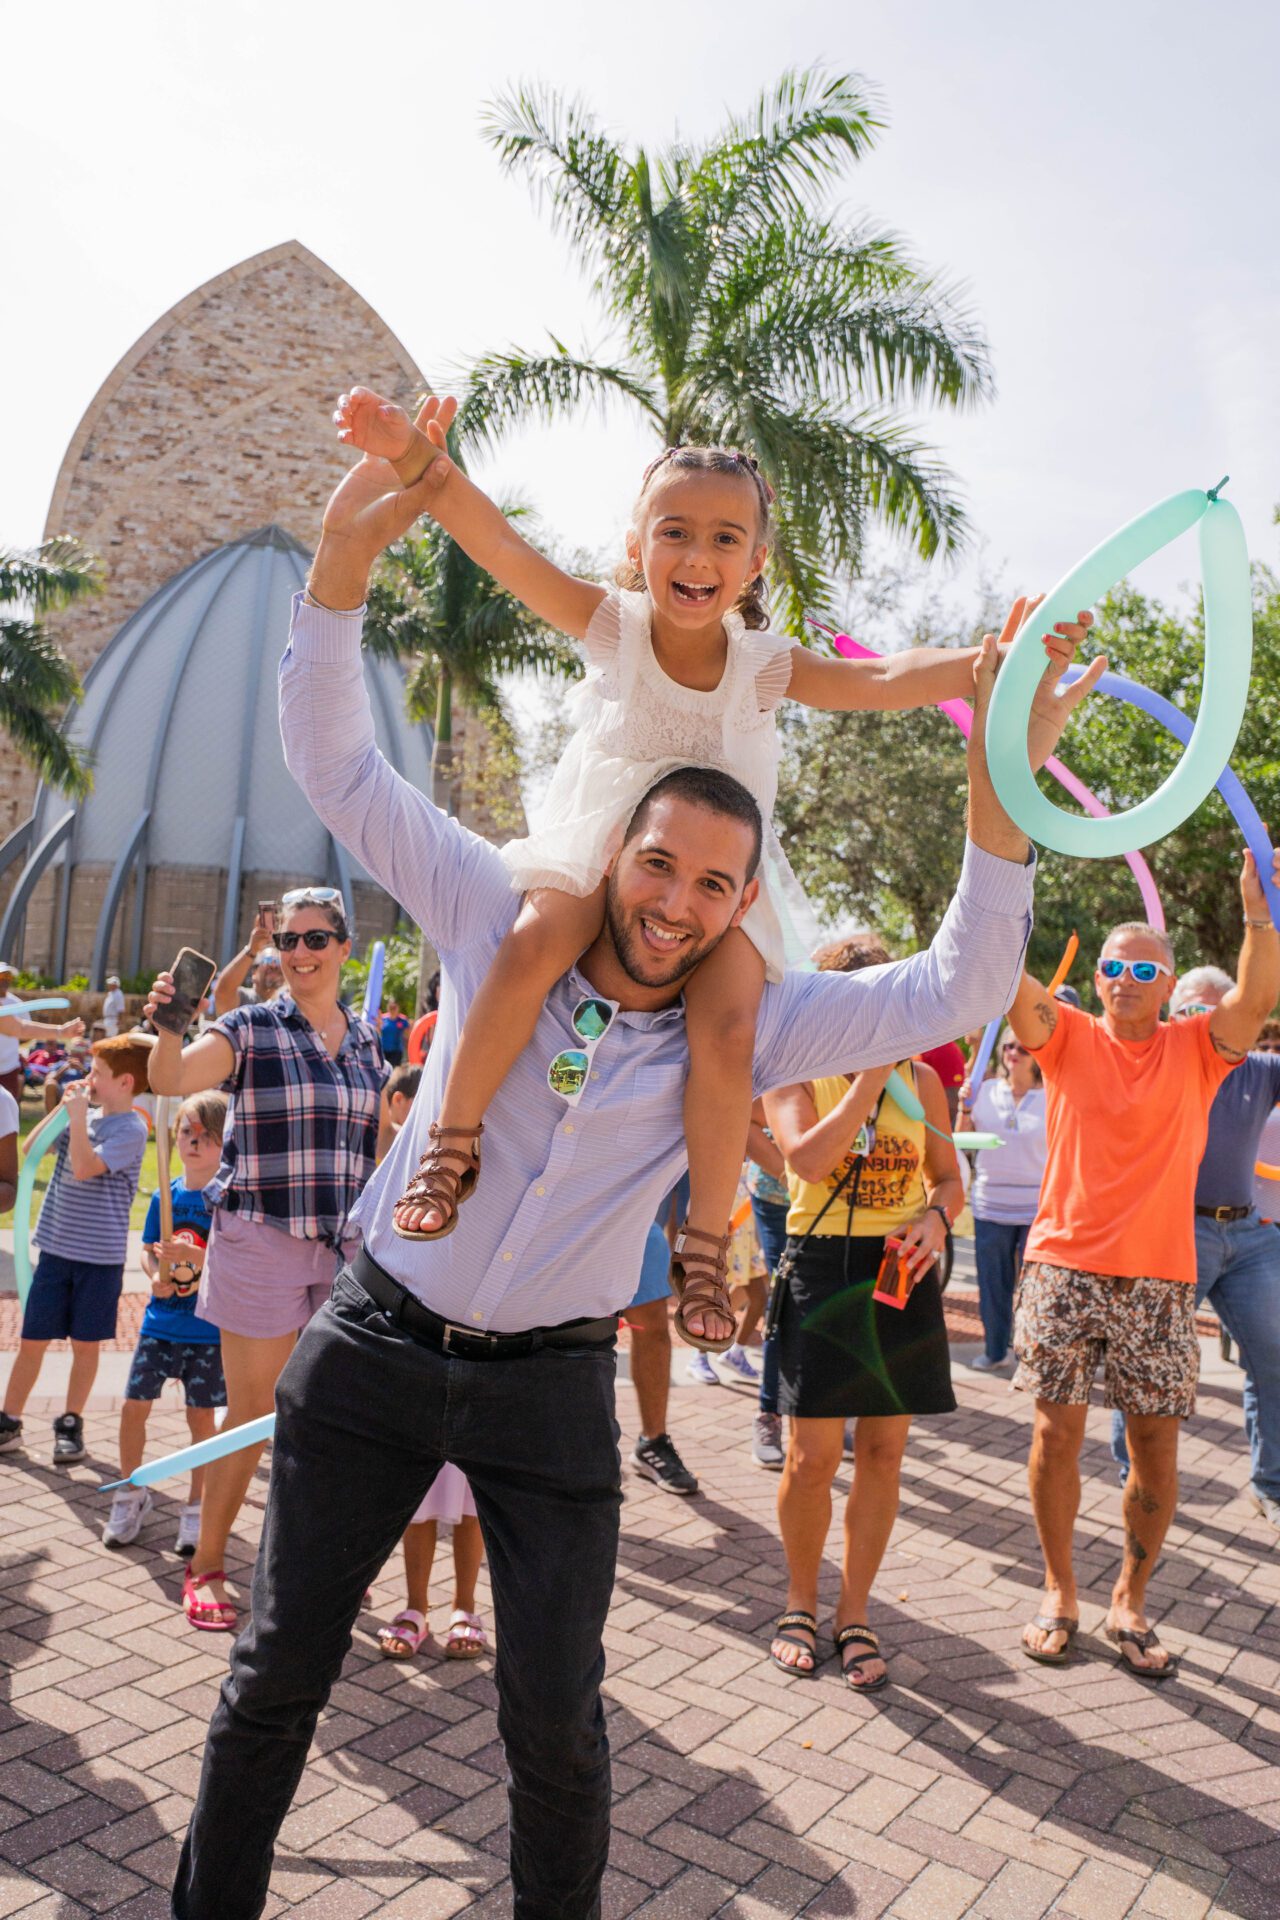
(655, 1283)
(72, 1300)
(197, 1363)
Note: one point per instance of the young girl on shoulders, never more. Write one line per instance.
(681, 669)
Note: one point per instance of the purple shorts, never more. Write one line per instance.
(261, 1281)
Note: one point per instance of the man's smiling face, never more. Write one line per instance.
(676, 888)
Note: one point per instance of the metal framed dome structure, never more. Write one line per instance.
(193, 812)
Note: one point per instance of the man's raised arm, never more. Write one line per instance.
(818, 1023)
(451, 881)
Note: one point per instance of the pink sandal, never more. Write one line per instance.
(466, 1638)
(410, 1628)
(207, 1616)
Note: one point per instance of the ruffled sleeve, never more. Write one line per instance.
(602, 638)
(770, 655)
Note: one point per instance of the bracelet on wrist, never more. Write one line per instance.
(1268, 925)
(936, 1206)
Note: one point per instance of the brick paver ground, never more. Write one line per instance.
(976, 1784)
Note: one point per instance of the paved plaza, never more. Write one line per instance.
(976, 1784)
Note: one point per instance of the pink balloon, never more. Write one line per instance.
(962, 713)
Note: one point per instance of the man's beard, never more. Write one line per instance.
(632, 956)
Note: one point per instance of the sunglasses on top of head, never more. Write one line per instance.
(1143, 971)
(315, 939)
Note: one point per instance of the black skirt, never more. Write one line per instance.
(842, 1355)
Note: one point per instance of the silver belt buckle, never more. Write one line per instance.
(464, 1333)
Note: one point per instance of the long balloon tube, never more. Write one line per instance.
(961, 713)
(229, 1440)
(913, 1107)
(1065, 964)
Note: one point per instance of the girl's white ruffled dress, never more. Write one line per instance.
(632, 725)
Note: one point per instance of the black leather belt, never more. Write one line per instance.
(469, 1343)
(1223, 1213)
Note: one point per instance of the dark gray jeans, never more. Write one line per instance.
(366, 1417)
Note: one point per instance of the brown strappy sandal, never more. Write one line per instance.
(441, 1185)
(700, 1281)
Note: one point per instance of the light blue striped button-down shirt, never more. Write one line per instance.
(557, 1226)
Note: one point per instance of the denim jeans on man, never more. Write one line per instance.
(998, 1252)
(366, 1417)
(1238, 1275)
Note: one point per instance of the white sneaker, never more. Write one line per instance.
(737, 1362)
(129, 1509)
(701, 1370)
(982, 1363)
(1268, 1508)
(188, 1531)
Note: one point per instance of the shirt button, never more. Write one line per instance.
(477, 1316)
(594, 1074)
(506, 1256)
(568, 1126)
(540, 1191)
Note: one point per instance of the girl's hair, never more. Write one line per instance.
(210, 1109)
(851, 954)
(752, 602)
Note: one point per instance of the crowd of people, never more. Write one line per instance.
(635, 1108)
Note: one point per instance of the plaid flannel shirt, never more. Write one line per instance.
(302, 1128)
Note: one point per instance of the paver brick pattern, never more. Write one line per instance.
(977, 1784)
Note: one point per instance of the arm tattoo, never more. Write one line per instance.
(1047, 1014)
(1228, 1052)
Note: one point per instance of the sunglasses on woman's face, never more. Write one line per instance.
(1012, 1046)
(315, 939)
(1143, 971)
(567, 1074)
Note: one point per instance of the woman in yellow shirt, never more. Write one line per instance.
(841, 1353)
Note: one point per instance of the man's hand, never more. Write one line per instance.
(989, 825)
(369, 509)
(1252, 898)
(1236, 1021)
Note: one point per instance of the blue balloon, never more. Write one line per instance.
(230, 1440)
(373, 986)
(44, 1137)
(1243, 811)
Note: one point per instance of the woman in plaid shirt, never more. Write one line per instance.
(305, 1076)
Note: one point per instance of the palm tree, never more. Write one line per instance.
(743, 314)
(36, 679)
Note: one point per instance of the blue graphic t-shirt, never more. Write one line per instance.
(176, 1318)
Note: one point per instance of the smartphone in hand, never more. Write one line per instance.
(893, 1285)
(192, 973)
(267, 915)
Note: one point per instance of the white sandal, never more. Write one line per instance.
(466, 1638)
(410, 1628)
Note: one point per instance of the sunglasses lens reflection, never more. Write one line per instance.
(567, 1074)
(592, 1018)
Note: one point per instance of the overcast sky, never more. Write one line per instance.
(1103, 176)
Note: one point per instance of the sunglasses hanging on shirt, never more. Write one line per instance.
(567, 1074)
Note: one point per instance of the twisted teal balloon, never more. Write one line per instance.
(1228, 657)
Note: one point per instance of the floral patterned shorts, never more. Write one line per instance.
(1141, 1332)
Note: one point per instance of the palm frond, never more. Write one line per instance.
(573, 169)
(50, 575)
(772, 163)
(32, 667)
(505, 389)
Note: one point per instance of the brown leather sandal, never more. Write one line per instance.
(700, 1281)
(439, 1184)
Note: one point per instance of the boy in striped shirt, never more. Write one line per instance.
(83, 1237)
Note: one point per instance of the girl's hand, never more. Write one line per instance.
(922, 1243)
(966, 1095)
(376, 426)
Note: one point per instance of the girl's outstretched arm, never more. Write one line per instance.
(916, 677)
(416, 449)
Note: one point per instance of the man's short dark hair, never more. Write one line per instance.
(704, 787)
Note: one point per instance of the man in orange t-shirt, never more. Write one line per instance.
(1110, 1265)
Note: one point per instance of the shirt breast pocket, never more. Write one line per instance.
(651, 1114)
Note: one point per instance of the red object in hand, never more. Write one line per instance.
(893, 1282)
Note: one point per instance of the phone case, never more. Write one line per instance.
(891, 1288)
(192, 973)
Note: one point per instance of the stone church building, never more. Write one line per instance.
(198, 475)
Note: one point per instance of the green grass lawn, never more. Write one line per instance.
(33, 1114)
